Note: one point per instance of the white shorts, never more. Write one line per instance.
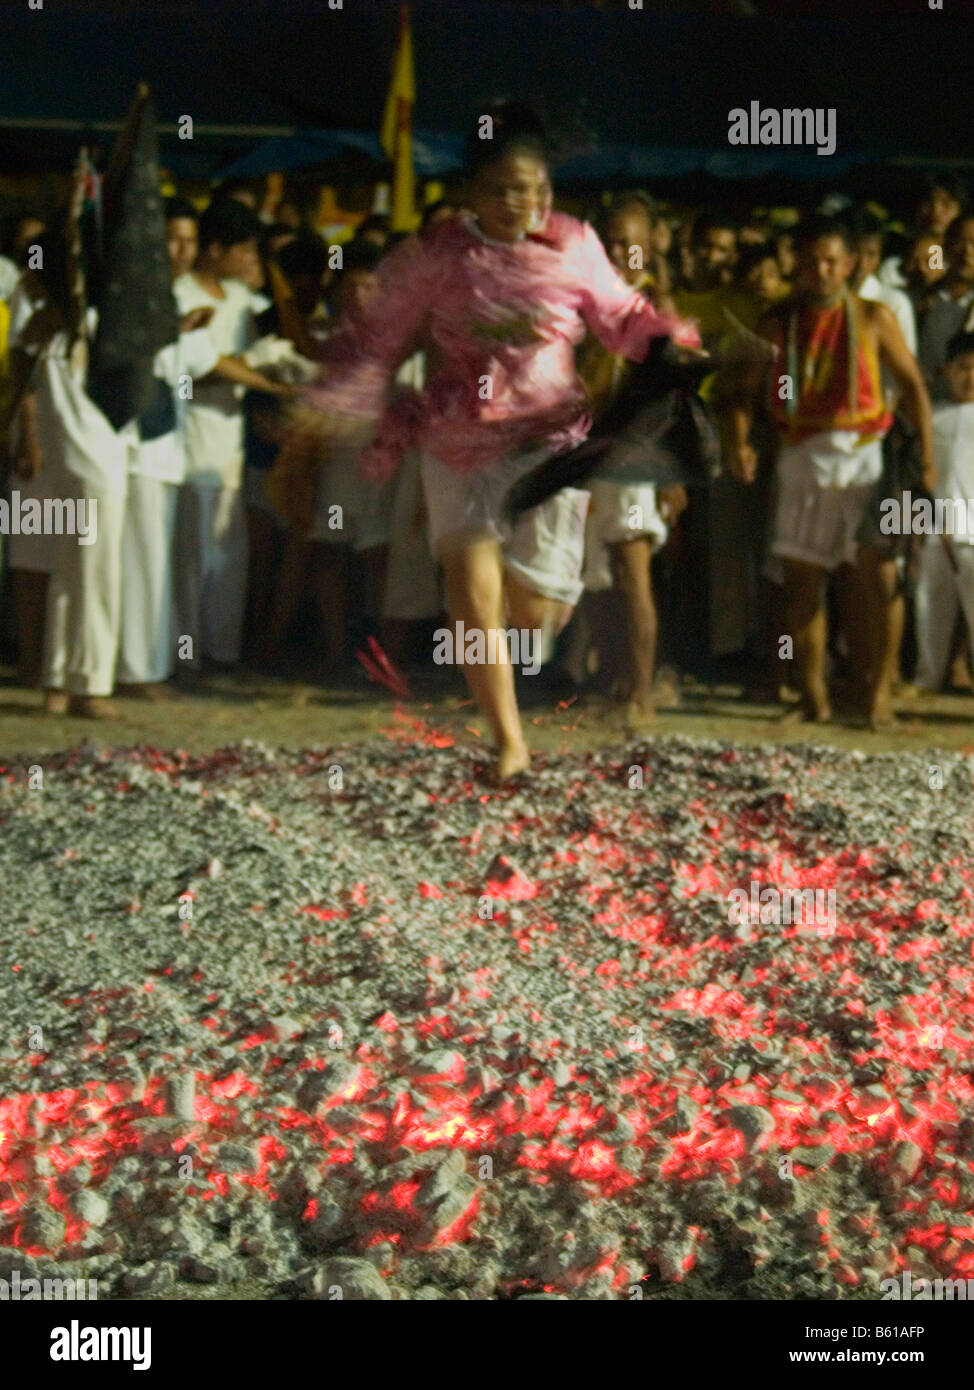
(620, 512)
(824, 486)
(349, 510)
(546, 546)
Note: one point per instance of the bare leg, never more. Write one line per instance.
(526, 608)
(262, 542)
(883, 624)
(960, 665)
(329, 572)
(805, 618)
(475, 596)
(631, 569)
(604, 659)
(852, 604)
(291, 579)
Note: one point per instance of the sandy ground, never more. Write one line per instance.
(222, 710)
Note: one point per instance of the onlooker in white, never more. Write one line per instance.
(212, 525)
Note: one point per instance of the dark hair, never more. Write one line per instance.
(950, 183)
(229, 222)
(375, 222)
(270, 230)
(752, 256)
(431, 209)
(11, 230)
(515, 129)
(959, 346)
(864, 223)
(230, 187)
(713, 222)
(954, 228)
(361, 255)
(305, 255)
(180, 207)
(632, 197)
(55, 275)
(818, 227)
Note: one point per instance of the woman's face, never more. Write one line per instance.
(662, 236)
(504, 196)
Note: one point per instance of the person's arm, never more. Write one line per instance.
(27, 459)
(235, 369)
(290, 319)
(361, 358)
(894, 352)
(740, 385)
(621, 318)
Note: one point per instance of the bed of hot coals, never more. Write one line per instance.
(352, 1020)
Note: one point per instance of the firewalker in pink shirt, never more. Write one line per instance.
(500, 323)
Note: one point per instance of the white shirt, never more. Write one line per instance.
(78, 444)
(214, 419)
(21, 308)
(953, 445)
(10, 273)
(944, 317)
(891, 273)
(192, 355)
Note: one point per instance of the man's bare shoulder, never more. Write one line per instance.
(875, 316)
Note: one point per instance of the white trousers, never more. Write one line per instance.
(940, 592)
(146, 651)
(84, 604)
(211, 574)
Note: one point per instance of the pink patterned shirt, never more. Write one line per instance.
(500, 324)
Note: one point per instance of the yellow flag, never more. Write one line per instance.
(397, 128)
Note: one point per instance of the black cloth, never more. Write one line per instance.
(658, 431)
(159, 416)
(137, 313)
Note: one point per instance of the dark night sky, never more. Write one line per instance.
(900, 86)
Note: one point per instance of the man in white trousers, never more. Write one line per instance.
(88, 463)
(211, 563)
(945, 582)
(157, 471)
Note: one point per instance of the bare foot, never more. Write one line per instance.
(667, 692)
(805, 713)
(960, 674)
(56, 702)
(92, 707)
(157, 692)
(640, 716)
(512, 758)
(881, 714)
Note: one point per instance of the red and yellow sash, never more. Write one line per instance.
(834, 371)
